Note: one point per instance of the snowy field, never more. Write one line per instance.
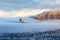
(31, 25)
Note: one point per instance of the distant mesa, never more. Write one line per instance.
(48, 15)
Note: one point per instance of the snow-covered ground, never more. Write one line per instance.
(30, 25)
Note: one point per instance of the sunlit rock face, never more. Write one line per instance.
(54, 14)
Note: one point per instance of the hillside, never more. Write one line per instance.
(54, 14)
(48, 35)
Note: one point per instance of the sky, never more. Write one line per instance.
(20, 4)
(15, 7)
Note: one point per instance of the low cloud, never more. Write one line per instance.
(21, 13)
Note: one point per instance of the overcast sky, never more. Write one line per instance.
(21, 4)
(15, 8)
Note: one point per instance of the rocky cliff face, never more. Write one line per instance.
(55, 14)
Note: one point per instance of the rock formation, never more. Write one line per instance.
(55, 14)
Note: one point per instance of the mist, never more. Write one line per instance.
(21, 13)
